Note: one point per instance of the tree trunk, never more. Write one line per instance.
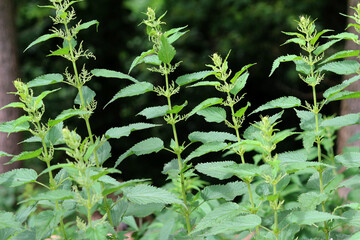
(8, 72)
(349, 105)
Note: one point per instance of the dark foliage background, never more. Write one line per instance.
(251, 29)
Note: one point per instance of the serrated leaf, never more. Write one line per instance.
(207, 137)
(221, 213)
(213, 114)
(66, 114)
(132, 90)
(125, 131)
(341, 121)
(177, 108)
(287, 58)
(25, 155)
(318, 35)
(344, 35)
(192, 77)
(228, 191)
(38, 99)
(53, 195)
(219, 170)
(206, 148)
(337, 88)
(154, 112)
(349, 159)
(320, 49)
(57, 166)
(310, 217)
(98, 231)
(342, 54)
(87, 25)
(342, 67)
(18, 177)
(147, 146)
(344, 95)
(59, 52)
(239, 84)
(88, 96)
(138, 59)
(356, 236)
(145, 194)
(204, 104)
(310, 200)
(40, 39)
(302, 67)
(7, 220)
(45, 222)
(112, 74)
(283, 102)
(121, 185)
(298, 41)
(243, 69)
(18, 125)
(352, 218)
(166, 52)
(45, 80)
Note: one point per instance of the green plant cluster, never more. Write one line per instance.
(262, 192)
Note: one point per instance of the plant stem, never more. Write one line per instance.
(87, 122)
(276, 228)
(182, 178)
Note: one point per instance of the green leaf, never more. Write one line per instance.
(206, 148)
(310, 200)
(302, 67)
(204, 104)
(174, 34)
(53, 195)
(244, 170)
(45, 80)
(356, 236)
(177, 108)
(4, 154)
(18, 125)
(344, 35)
(14, 105)
(147, 146)
(133, 90)
(88, 96)
(342, 54)
(192, 77)
(59, 52)
(145, 194)
(68, 113)
(349, 159)
(342, 121)
(298, 41)
(38, 99)
(98, 231)
(243, 69)
(121, 185)
(18, 177)
(344, 95)
(42, 38)
(57, 166)
(310, 217)
(112, 74)
(320, 49)
(45, 222)
(208, 137)
(221, 213)
(87, 25)
(138, 59)
(125, 131)
(330, 92)
(228, 191)
(287, 58)
(318, 35)
(342, 68)
(239, 84)
(239, 113)
(166, 52)
(25, 156)
(219, 170)
(352, 218)
(283, 102)
(7, 220)
(154, 112)
(205, 83)
(213, 114)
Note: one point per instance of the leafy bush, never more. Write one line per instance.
(268, 194)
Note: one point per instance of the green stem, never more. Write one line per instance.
(276, 228)
(87, 122)
(89, 207)
(182, 178)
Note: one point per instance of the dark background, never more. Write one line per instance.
(250, 29)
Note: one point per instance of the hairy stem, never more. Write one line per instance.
(177, 145)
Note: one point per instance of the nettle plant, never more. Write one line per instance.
(270, 195)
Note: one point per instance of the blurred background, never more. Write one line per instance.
(251, 29)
